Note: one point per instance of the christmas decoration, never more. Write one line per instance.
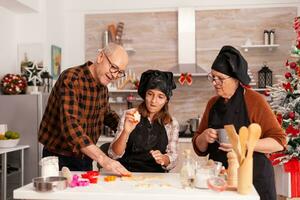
(33, 74)
(185, 77)
(13, 84)
(286, 103)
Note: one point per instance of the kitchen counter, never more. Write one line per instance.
(160, 186)
(104, 139)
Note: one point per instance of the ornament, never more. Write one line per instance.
(291, 130)
(288, 75)
(288, 87)
(297, 108)
(13, 84)
(292, 115)
(293, 65)
(267, 93)
(35, 72)
(185, 77)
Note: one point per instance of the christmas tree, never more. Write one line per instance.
(285, 97)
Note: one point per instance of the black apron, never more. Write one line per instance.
(144, 138)
(235, 112)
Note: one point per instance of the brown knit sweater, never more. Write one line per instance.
(259, 112)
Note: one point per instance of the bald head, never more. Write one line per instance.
(117, 54)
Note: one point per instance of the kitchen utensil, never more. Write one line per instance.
(203, 173)
(234, 140)
(183, 127)
(193, 124)
(222, 136)
(243, 135)
(49, 166)
(52, 183)
(245, 173)
(254, 135)
(9, 143)
(232, 170)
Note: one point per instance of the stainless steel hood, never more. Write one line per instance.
(194, 69)
(187, 43)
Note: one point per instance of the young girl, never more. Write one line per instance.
(147, 136)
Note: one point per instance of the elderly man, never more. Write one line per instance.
(78, 108)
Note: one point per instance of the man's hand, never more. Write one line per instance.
(114, 166)
(107, 163)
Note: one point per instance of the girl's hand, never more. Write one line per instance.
(160, 158)
(130, 122)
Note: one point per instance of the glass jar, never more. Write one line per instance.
(187, 172)
(49, 166)
(203, 173)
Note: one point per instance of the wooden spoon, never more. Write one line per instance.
(254, 135)
(234, 140)
(243, 135)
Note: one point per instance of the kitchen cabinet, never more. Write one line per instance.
(23, 113)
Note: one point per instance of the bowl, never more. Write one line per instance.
(9, 143)
(52, 183)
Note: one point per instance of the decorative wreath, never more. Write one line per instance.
(13, 84)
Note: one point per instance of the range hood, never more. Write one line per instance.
(194, 69)
(187, 44)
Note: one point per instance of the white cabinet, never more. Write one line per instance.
(23, 113)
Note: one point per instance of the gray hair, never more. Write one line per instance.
(109, 49)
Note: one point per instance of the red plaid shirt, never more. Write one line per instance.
(76, 112)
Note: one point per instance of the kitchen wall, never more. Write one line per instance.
(8, 41)
(154, 37)
(215, 28)
(62, 22)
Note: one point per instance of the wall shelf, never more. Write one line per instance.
(269, 47)
(130, 50)
(122, 91)
(260, 89)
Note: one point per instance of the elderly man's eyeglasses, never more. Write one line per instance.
(216, 79)
(115, 69)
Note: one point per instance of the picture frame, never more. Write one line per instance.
(29, 53)
(55, 61)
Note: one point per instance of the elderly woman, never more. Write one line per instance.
(148, 144)
(240, 106)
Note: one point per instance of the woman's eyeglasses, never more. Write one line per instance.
(115, 69)
(216, 79)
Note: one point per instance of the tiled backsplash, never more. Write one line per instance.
(153, 36)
